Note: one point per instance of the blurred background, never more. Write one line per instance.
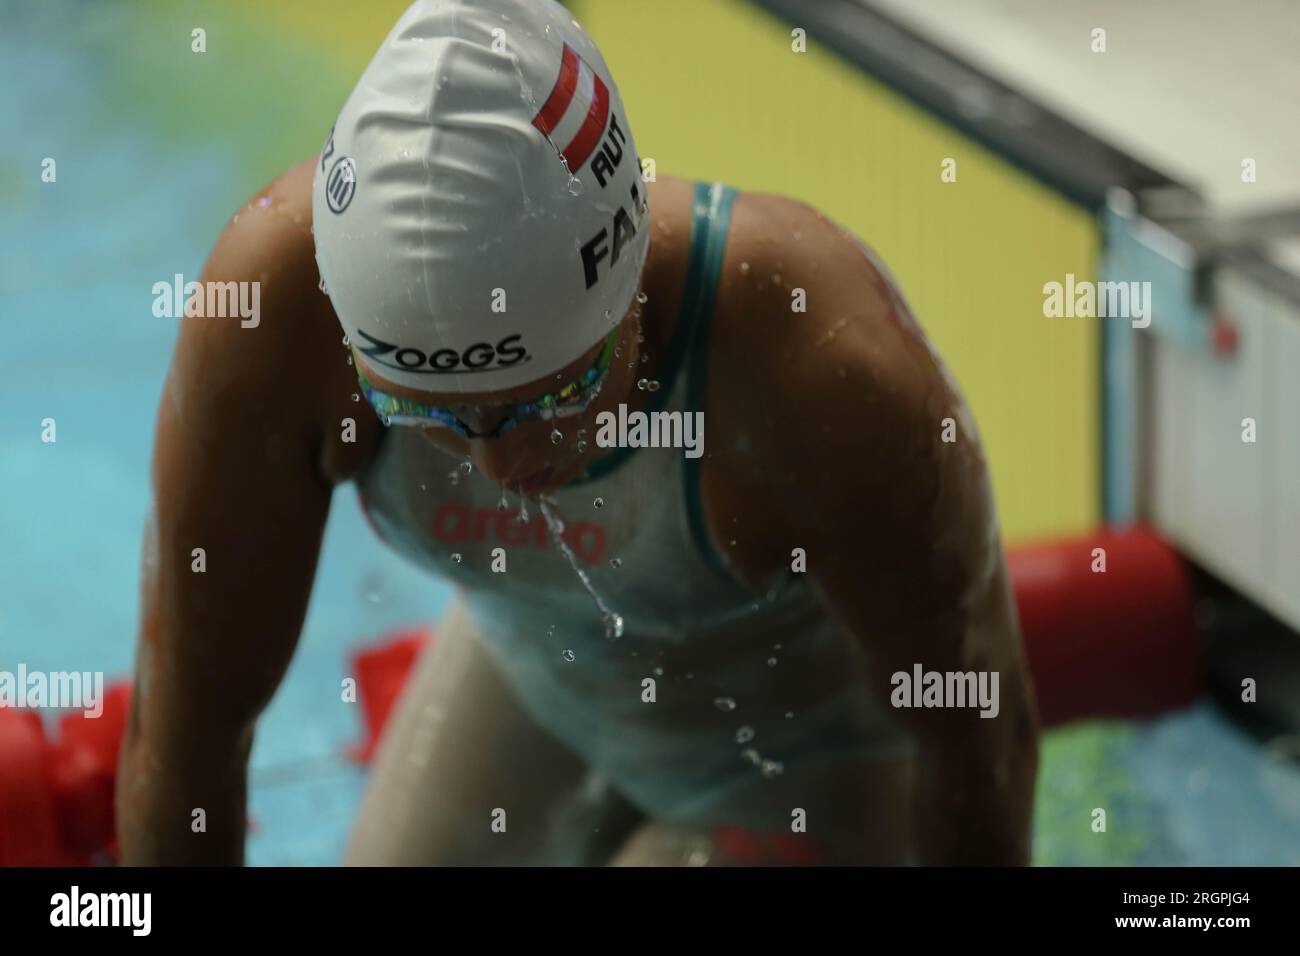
(1128, 162)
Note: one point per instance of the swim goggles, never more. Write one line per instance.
(573, 399)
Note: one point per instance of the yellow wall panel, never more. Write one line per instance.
(353, 31)
(714, 91)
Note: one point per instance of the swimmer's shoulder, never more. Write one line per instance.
(293, 362)
(800, 300)
(813, 372)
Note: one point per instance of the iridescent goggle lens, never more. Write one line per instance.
(573, 399)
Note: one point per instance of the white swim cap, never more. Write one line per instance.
(479, 212)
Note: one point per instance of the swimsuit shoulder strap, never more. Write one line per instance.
(710, 223)
(710, 215)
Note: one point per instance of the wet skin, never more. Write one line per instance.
(824, 434)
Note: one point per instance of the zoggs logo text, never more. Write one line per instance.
(479, 357)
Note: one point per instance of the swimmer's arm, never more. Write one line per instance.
(214, 643)
(898, 526)
(905, 550)
(236, 473)
(973, 802)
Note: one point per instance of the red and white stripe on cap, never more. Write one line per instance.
(576, 113)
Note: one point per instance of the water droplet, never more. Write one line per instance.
(466, 466)
(598, 503)
(772, 768)
(724, 704)
(568, 655)
(776, 647)
(744, 268)
(456, 557)
(771, 662)
(776, 278)
(797, 235)
(744, 735)
(550, 631)
(789, 715)
(642, 298)
(523, 511)
(690, 675)
(356, 397)
(503, 505)
(582, 446)
(841, 373)
(615, 563)
(349, 359)
(575, 186)
(659, 672)
(374, 589)
(750, 755)
(618, 352)
(556, 436)
(613, 626)
(346, 340)
(641, 383)
(387, 421)
(652, 386)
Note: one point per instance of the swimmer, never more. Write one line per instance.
(652, 658)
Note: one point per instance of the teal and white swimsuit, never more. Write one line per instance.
(748, 685)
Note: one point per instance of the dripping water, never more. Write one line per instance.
(612, 620)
